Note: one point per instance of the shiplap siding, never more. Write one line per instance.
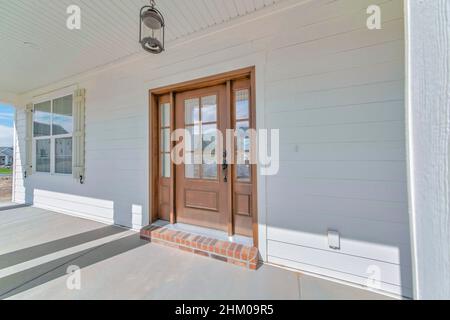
(339, 102)
(334, 89)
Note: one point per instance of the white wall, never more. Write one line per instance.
(336, 91)
(429, 136)
(336, 88)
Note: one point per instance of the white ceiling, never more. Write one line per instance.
(36, 48)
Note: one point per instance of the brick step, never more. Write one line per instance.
(230, 252)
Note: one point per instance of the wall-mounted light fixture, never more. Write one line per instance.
(152, 27)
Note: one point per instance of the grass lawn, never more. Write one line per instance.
(5, 171)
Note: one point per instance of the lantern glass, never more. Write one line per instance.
(152, 33)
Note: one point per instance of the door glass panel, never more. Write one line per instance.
(209, 167)
(63, 155)
(243, 139)
(243, 172)
(193, 154)
(165, 165)
(195, 138)
(43, 155)
(201, 124)
(242, 104)
(192, 171)
(209, 109)
(165, 140)
(42, 119)
(193, 158)
(209, 171)
(165, 143)
(209, 143)
(165, 115)
(62, 116)
(243, 126)
(192, 111)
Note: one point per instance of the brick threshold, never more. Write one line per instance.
(230, 252)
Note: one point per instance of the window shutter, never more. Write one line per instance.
(79, 135)
(29, 141)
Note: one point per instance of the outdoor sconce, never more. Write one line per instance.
(151, 31)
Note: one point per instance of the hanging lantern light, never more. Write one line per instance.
(151, 32)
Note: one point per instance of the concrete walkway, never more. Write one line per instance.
(37, 247)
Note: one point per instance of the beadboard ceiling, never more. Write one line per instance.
(37, 49)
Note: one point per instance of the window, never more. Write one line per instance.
(201, 123)
(52, 135)
(165, 140)
(242, 112)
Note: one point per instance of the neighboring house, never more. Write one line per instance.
(353, 155)
(6, 156)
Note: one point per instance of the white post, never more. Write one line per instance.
(428, 137)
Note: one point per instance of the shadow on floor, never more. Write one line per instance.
(8, 206)
(12, 258)
(36, 276)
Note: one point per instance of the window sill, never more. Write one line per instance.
(45, 174)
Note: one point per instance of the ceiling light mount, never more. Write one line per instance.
(152, 29)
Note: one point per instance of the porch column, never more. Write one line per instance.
(428, 135)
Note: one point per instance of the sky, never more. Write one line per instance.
(6, 125)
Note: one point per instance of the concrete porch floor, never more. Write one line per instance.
(37, 247)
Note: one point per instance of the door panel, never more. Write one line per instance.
(244, 201)
(202, 187)
(165, 207)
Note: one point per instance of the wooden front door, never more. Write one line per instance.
(203, 188)
(202, 193)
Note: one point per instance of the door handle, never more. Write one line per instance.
(225, 167)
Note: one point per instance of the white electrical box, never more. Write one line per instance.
(334, 240)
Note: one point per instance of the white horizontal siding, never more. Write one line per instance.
(374, 131)
(355, 248)
(353, 230)
(321, 204)
(345, 151)
(390, 273)
(344, 170)
(384, 191)
(357, 76)
(336, 92)
(359, 94)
